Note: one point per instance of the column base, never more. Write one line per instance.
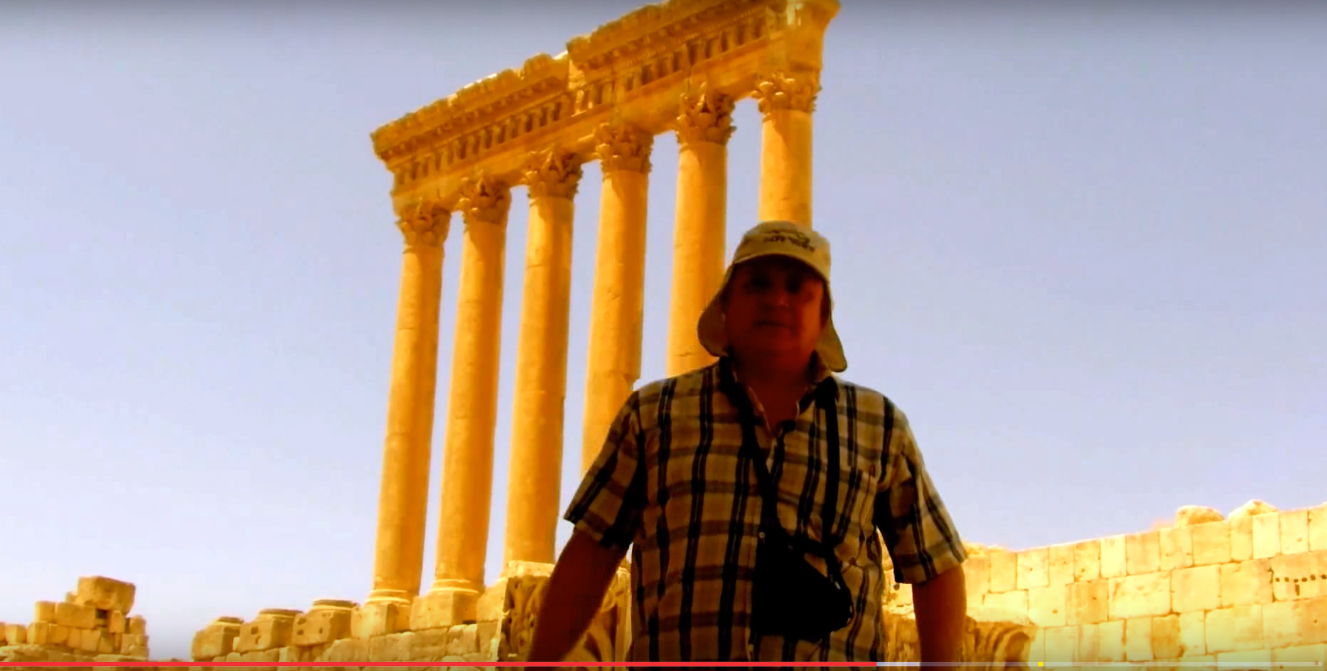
(445, 605)
(387, 611)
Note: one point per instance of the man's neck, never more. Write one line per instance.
(777, 385)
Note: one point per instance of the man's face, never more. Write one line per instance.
(773, 308)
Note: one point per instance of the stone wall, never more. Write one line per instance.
(91, 623)
(1250, 589)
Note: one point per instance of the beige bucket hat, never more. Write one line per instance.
(776, 238)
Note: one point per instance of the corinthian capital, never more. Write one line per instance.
(484, 200)
(554, 173)
(622, 146)
(705, 117)
(787, 91)
(423, 222)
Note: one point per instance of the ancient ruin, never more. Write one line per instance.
(1251, 589)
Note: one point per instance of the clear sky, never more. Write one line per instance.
(1084, 248)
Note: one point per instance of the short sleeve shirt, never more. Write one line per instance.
(672, 483)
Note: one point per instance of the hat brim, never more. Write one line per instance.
(714, 336)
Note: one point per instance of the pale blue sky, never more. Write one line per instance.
(1082, 247)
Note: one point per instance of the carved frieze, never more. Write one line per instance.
(787, 91)
(705, 116)
(622, 146)
(484, 200)
(424, 222)
(554, 173)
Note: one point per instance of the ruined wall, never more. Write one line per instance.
(1251, 589)
(342, 631)
(92, 623)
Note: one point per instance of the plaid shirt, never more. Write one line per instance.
(670, 482)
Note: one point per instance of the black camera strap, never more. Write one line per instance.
(769, 494)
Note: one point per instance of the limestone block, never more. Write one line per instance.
(16, 634)
(291, 654)
(1145, 595)
(487, 633)
(976, 576)
(105, 642)
(1193, 634)
(272, 629)
(39, 633)
(216, 639)
(1299, 655)
(1166, 637)
(75, 616)
(1089, 643)
(58, 635)
(1176, 547)
(1298, 576)
(1061, 571)
(1246, 583)
(1318, 528)
(463, 640)
(88, 640)
(1294, 531)
(115, 622)
(136, 625)
(1061, 645)
(1234, 629)
(1188, 516)
(1294, 623)
(105, 593)
(1266, 536)
(328, 620)
(1033, 568)
(1196, 588)
(442, 609)
(1015, 602)
(1241, 538)
(1211, 543)
(379, 618)
(1138, 639)
(44, 611)
(71, 597)
(1003, 571)
(1246, 659)
(1253, 508)
(1114, 559)
(1087, 560)
(1142, 552)
(1110, 641)
(1046, 607)
(1088, 602)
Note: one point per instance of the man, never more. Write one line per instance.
(712, 476)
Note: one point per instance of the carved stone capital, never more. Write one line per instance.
(705, 117)
(555, 173)
(484, 200)
(623, 146)
(424, 223)
(787, 91)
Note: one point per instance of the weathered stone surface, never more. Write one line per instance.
(1253, 507)
(1192, 515)
(104, 593)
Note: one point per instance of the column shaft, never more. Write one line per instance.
(703, 126)
(541, 361)
(467, 469)
(618, 301)
(403, 499)
(786, 104)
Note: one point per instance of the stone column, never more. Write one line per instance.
(403, 499)
(786, 102)
(618, 302)
(704, 124)
(541, 359)
(467, 467)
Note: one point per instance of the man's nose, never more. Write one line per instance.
(778, 297)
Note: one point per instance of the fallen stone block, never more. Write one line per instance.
(105, 593)
(44, 611)
(75, 616)
(136, 625)
(16, 634)
(270, 630)
(216, 639)
(115, 622)
(328, 620)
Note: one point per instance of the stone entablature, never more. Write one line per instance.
(634, 69)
